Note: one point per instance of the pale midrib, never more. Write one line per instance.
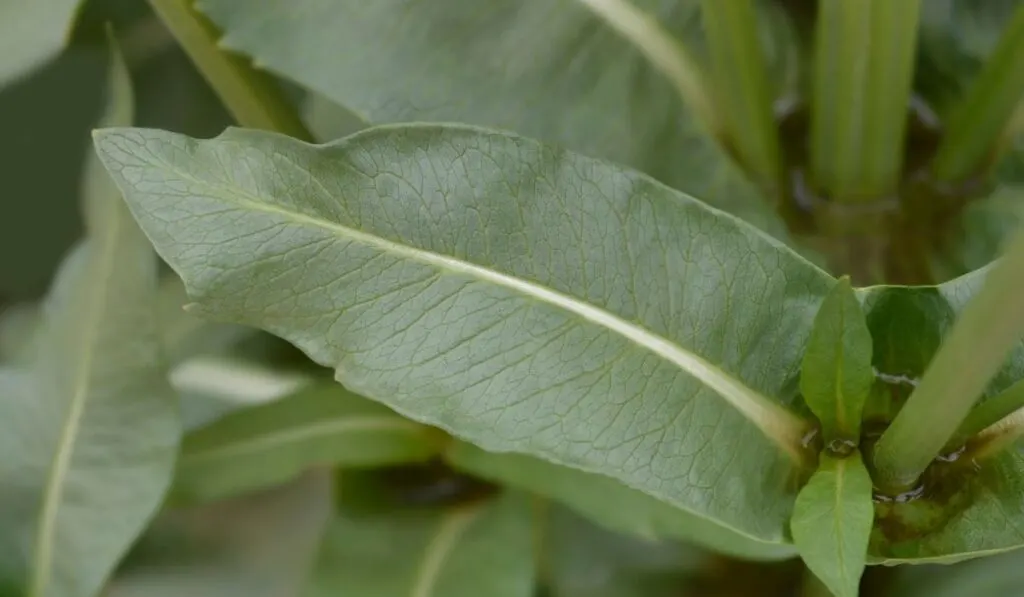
(439, 548)
(53, 490)
(837, 519)
(309, 432)
(779, 425)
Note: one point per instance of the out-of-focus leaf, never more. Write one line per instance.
(994, 576)
(90, 434)
(473, 280)
(483, 548)
(611, 504)
(548, 69)
(19, 325)
(259, 545)
(587, 561)
(318, 426)
(31, 33)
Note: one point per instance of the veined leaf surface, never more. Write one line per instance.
(90, 430)
(519, 296)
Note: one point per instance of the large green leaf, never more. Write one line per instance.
(31, 33)
(259, 545)
(519, 296)
(548, 69)
(611, 504)
(89, 433)
(466, 551)
(317, 426)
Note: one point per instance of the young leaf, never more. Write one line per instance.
(31, 33)
(466, 551)
(260, 545)
(836, 375)
(90, 433)
(321, 425)
(611, 504)
(474, 283)
(566, 76)
(832, 521)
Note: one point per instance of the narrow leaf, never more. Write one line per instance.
(832, 521)
(467, 551)
(267, 444)
(978, 125)
(475, 283)
(989, 413)
(89, 437)
(836, 376)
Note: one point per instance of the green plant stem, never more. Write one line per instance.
(250, 96)
(989, 413)
(863, 67)
(990, 325)
(979, 123)
(998, 436)
(741, 88)
(665, 52)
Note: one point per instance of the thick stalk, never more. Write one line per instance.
(250, 96)
(990, 325)
(978, 125)
(741, 87)
(864, 57)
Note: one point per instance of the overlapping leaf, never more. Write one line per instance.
(90, 430)
(549, 69)
(468, 550)
(321, 425)
(31, 33)
(522, 297)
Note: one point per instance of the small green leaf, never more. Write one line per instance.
(259, 545)
(467, 551)
(470, 280)
(321, 425)
(836, 374)
(31, 33)
(832, 521)
(90, 429)
(611, 504)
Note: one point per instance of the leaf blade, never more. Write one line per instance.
(452, 379)
(836, 374)
(837, 498)
(318, 426)
(481, 548)
(77, 501)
